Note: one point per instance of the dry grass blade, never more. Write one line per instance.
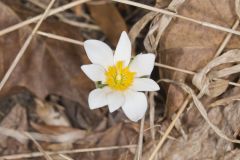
(66, 137)
(138, 155)
(65, 20)
(227, 39)
(169, 129)
(174, 68)
(237, 7)
(69, 40)
(206, 24)
(34, 19)
(39, 154)
(60, 38)
(39, 147)
(189, 72)
(152, 113)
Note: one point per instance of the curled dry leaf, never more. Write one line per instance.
(215, 86)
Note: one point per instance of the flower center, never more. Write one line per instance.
(118, 77)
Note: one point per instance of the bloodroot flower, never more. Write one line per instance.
(119, 80)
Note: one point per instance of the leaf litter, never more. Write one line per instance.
(54, 108)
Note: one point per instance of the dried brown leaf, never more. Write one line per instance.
(109, 19)
(49, 66)
(190, 46)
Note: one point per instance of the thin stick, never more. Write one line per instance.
(138, 155)
(61, 38)
(39, 154)
(169, 129)
(190, 72)
(25, 45)
(166, 12)
(227, 39)
(69, 40)
(46, 155)
(152, 113)
(174, 68)
(34, 19)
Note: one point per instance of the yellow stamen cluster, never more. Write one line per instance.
(119, 77)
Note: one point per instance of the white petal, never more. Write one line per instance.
(144, 84)
(123, 50)
(98, 98)
(99, 52)
(143, 64)
(94, 71)
(135, 105)
(115, 100)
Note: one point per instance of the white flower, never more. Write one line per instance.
(121, 80)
